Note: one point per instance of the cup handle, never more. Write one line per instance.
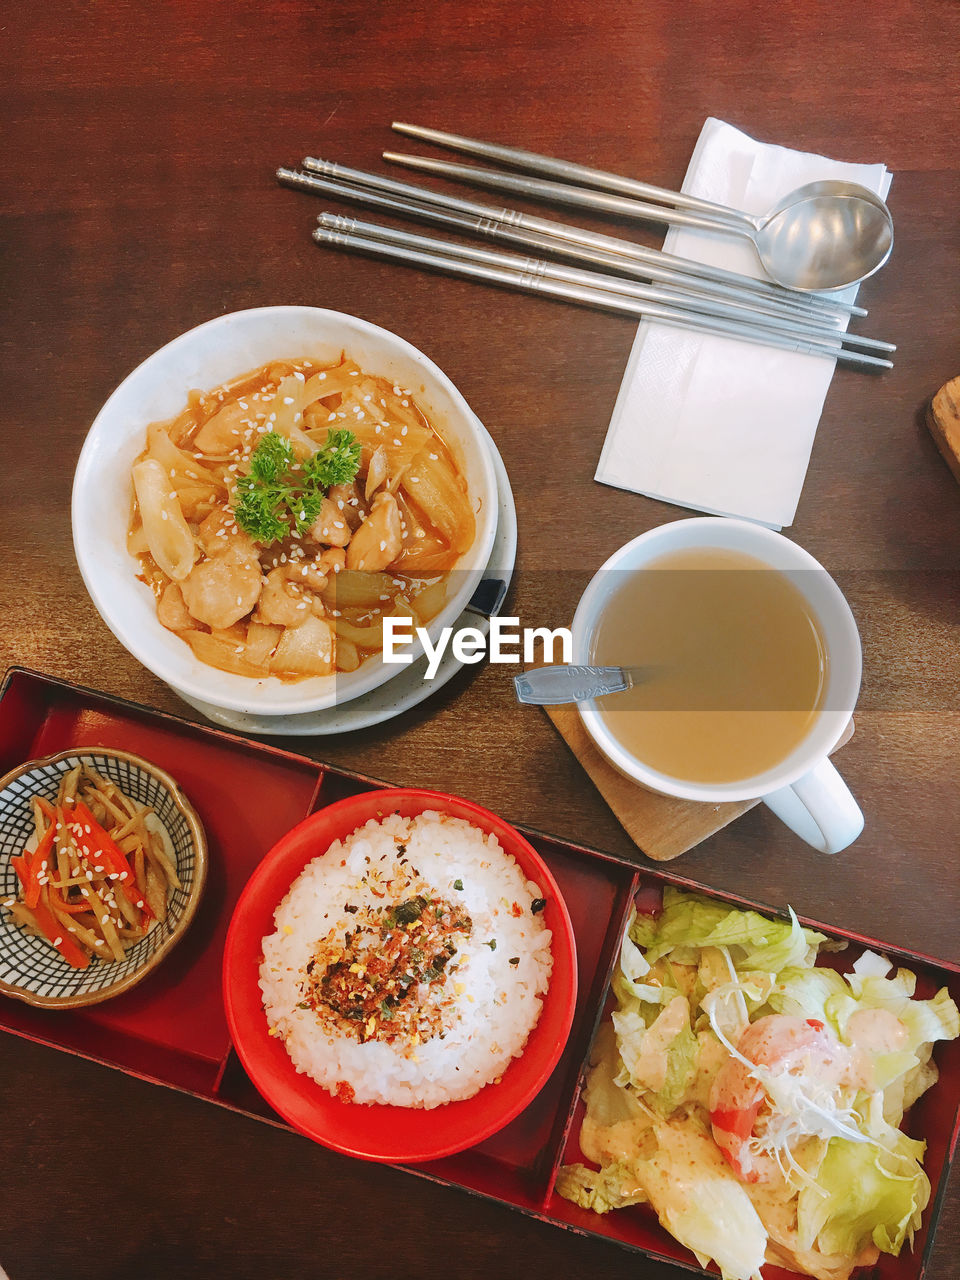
(819, 808)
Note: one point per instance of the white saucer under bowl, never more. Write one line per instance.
(406, 689)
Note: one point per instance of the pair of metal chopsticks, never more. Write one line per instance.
(548, 166)
(537, 276)
(537, 269)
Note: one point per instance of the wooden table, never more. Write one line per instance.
(140, 201)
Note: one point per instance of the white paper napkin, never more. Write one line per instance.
(719, 424)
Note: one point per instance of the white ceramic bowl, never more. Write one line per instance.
(204, 358)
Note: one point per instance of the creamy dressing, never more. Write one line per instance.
(710, 1060)
(648, 1068)
(878, 1030)
(688, 1174)
(871, 1032)
(776, 1203)
(606, 1143)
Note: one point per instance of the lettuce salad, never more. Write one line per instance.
(754, 1100)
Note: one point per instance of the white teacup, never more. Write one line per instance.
(805, 790)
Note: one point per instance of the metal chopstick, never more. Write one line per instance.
(562, 170)
(597, 298)
(546, 189)
(679, 283)
(536, 267)
(580, 236)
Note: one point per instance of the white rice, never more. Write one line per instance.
(488, 1006)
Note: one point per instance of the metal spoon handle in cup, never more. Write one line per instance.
(551, 686)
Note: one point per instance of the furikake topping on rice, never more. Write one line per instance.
(384, 979)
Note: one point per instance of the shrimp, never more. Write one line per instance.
(779, 1045)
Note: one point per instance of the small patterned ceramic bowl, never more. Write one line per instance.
(30, 969)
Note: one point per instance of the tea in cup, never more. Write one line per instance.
(748, 669)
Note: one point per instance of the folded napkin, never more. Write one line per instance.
(719, 424)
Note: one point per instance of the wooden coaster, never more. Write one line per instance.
(662, 827)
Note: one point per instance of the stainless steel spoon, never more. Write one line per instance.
(550, 686)
(823, 236)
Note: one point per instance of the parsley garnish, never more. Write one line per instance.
(280, 496)
(336, 462)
